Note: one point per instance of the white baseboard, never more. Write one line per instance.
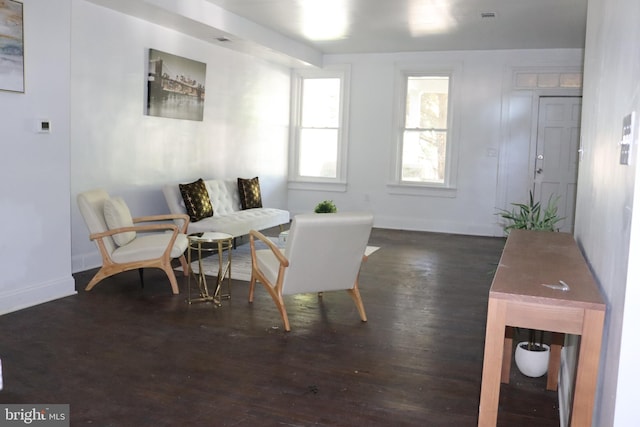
(424, 224)
(29, 296)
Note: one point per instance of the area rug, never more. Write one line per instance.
(241, 261)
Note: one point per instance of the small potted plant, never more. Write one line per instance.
(532, 356)
(531, 216)
(326, 206)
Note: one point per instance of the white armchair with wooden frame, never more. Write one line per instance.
(323, 252)
(126, 243)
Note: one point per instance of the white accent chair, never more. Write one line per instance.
(323, 252)
(126, 244)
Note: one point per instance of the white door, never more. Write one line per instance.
(556, 162)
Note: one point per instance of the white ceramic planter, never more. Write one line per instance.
(532, 363)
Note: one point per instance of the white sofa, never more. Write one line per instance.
(228, 216)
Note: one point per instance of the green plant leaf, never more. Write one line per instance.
(326, 206)
(532, 216)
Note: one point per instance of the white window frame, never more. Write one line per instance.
(339, 183)
(449, 187)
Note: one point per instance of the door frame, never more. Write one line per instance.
(512, 185)
(533, 148)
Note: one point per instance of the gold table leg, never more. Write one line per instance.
(224, 270)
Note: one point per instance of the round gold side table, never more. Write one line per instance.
(202, 243)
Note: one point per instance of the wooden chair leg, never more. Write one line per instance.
(252, 287)
(277, 299)
(355, 294)
(100, 275)
(172, 279)
(185, 266)
(283, 312)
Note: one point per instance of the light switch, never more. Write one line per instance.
(628, 125)
(624, 153)
(492, 152)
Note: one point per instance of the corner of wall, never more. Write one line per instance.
(19, 298)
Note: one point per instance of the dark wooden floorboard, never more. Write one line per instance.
(121, 355)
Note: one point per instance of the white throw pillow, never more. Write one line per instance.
(117, 214)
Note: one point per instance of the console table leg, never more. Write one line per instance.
(587, 373)
(506, 358)
(492, 364)
(557, 341)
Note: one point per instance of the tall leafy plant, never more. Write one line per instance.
(532, 216)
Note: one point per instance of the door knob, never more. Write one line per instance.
(539, 170)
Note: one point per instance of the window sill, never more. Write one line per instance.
(422, 190)
(340, 187)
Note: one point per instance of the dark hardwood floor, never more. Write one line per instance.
(122, 355)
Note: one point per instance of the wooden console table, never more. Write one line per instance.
(517, 298)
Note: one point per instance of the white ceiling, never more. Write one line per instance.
(358, 26)
(300, 32)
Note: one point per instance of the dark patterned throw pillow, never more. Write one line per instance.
(196, 200)
(250, 196)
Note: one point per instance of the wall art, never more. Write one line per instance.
(11, 46)
(175, 86)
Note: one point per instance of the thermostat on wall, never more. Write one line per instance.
(43, 126)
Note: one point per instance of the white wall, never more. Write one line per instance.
(484, 90)
(114, 145)
(607, 228)
(96, 84)
(35, 249)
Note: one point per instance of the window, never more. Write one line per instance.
(424, 143)
(318, 148)
(319, 125)
(424, 158)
